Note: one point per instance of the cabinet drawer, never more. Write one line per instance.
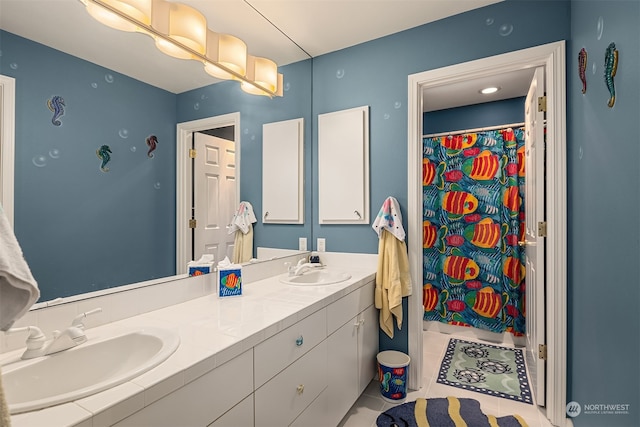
(200, 401)
(283, 398)
(316, 414)
(347, 307)
(240, 415)
(276, 353)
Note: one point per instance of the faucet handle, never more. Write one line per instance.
(35, 340)
(78, 320)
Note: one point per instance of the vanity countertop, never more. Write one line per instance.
(212, 331)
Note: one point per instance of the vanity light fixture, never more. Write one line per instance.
(181, 24)
(264, 72)
(139, 10)
(227, 50)
(489, 90)
(181, 31)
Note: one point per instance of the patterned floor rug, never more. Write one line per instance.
(444, 412)
(486, 368)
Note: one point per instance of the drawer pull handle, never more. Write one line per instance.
(299, 341)
(300, 389)
(359, 323)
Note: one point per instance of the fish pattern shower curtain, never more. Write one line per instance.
(473, 217)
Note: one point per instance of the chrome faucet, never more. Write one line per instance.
(37, 344)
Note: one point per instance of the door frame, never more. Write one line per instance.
(552, 57)
(7, 144)
(183, 177)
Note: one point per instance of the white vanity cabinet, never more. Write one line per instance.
(353, 345)
(307, 375)
(290, 371)
(203, 400)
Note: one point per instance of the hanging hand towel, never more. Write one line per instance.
(243, 218)
(393, 280)
(18, 288)
(243, 246)
(389, 218)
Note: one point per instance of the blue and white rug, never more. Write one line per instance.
(486, 368)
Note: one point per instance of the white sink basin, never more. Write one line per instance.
(86, 369)
(316, 278)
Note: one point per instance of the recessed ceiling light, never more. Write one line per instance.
(488, 90)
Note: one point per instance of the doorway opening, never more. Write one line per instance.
(218, 140)
(551, 58)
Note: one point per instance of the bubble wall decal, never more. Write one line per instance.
(39, 161)
(599, 28)
(505, 30)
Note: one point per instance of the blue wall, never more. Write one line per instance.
(604, 248)
(474, 116)
(375, 74)
(109, 228)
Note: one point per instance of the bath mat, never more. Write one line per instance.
(444, 412)
(486, 368)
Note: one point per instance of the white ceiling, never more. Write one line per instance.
(286, 31)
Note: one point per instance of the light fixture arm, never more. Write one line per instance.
(148, 29)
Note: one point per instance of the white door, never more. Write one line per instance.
(534, 243)
(215, 198)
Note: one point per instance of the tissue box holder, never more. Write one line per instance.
(198, 270)
(229, 282)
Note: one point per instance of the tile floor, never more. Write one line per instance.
(365, 411)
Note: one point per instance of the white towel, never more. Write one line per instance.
(243, 218)
(18, 288)
(389, 218)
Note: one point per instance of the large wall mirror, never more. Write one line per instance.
(96, 112)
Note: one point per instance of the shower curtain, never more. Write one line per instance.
(473, 218)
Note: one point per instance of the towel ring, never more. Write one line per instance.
(357, 213)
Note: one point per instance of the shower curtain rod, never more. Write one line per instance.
(458, 132)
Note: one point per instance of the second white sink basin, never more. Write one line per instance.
(316, 277)
(86, 369)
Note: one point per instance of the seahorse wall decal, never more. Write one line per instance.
(152, 143)
(56, 105)
(582, 68)
(610, 68)
(103, 154)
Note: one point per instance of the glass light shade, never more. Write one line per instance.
(140, 10)
(264, 72)
(181, 23)
(228, 51)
